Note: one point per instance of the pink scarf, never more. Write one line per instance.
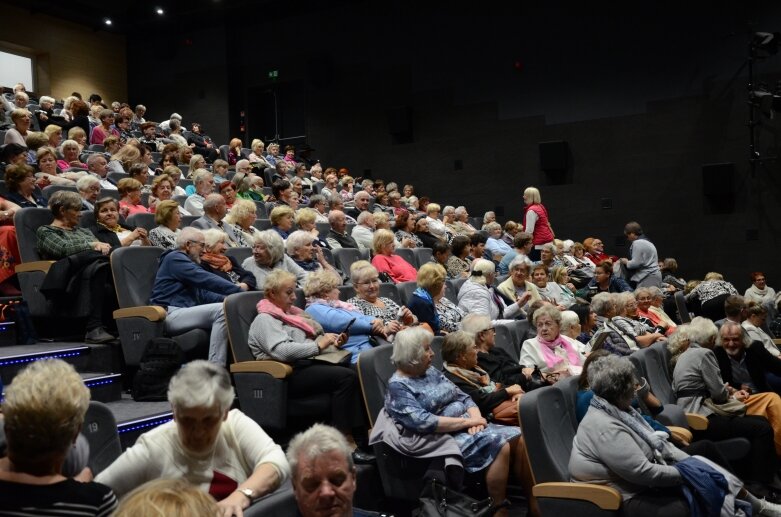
(551, 359)
(292, 317)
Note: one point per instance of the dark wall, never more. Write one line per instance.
(643, 100)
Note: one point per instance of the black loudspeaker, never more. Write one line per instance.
(400, 124)
(718, 187)
(554, 156)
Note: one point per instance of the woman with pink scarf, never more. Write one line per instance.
(556, 355)
(283, 332)
(324, 306)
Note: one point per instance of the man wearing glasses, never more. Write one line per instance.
(191, 295)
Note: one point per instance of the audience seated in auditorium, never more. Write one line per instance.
(214, 210)
(496, 248)
(192, 296)
(130, 200)
(306, 219)
(257, 157)
(204, 185)
(337, 236)
(268, 254)
(759, 290)
(242, 218)
(167, 216)
(281, 218)
(746, 364)
(404, 230)
(604, 281)
(218, 449)
(21, 119)
(215, 261)
(363, 232)
(595, 251)
(365, 279)
(302, 248)
(100, 132)
(70, 152)
(457, 264)
(48, 171)
(98, 167)
(557, 356)
(561, 278)
(386, 261)
(429, 303)
(477, 294)
(522, 245)
(756, 319)
(201, 143)
(124, 158)
(109, 229)
(517, 288)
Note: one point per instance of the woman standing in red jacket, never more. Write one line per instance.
(535, 221)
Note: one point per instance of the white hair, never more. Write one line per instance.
(408, 346)
(188, 233)
(201, 383)
(480, 269)
(85, 182)
(364, 216)
(297, 239)
(568, 320)
(316, 441)
(212, 236)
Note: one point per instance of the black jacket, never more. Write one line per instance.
(758, 362)
(485, 401)
(501, 367)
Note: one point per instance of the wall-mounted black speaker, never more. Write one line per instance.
(554, 156)
(718, 187)
(400, 124)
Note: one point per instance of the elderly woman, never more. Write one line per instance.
(282, 220)
(163, 190)
(244, 186)
(457, 265)
(570, 324)
(700, 388)
(435, 226)
(604, 282)
(615, 446)
(215, 261)
(711, 294)
(301, 247)
(257, 155)
(555, 355)
(422, 401)
(168, 497)
(535, 221)
(423, 234)
(549, 291)
(168, 217)
(54, 136)
(429, 304)
(629, 325)
(109, 229)
(347, 194)
(499, 365)
(99, 133)
(124, 158)
(645, 297)
(495, 246)
(656, 312)
(404, 228)
(89, 189)
(323, 305)
(130, 200)
(48, 172)
(63, 238)
(43, 412)
(242, 217)
(459, 353)
(22, 190)
(386, 261)
(208, 444)
(21, 119)
(268, 254)
(70, 152)
(561, 278)
(283, 332)
(366, 281)
(306, 220)
(517, 287)
(477, 294)
(756, 316)
(759, 290)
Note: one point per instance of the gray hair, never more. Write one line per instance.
(273, 243)
(485, 267)
(241, 163)
(601, 303)
(744, 337)
(93, 158)
(703, 331)
(362, 194)
(520, 261)
(460, 210)
(475, 323)
(547, 310)
(492, 227)
(201, 383)
(549, 247)
(140, 107)
(46, 98)
(612, 378)
(449, 209)
(187, 234)
(456, 344)
(211, 202)
(176, 116)
(364, 216)
(391, 187)
(621, 299)
(297, 239)
(360, 269)
(679, 341)
(212, 236)
(568, 320)
(200, 175)
(316, 441)
(333, 214)
(63, 200)
(408, 347)
(485, 216)
(86, 182)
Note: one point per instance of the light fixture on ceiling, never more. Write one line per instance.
(160, 11)
(107, 21)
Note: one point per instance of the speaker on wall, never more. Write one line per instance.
(400, 124)
(718, 187)
(554, 156)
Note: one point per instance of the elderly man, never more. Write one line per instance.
(361, 200)
(138, 115)
(745, 365)
(98, 168)
(363, 233)
(643, 266)
(460, 225)
(522, 245)
(149, 136)
(166, 124)
(204, 185)
(243, 166)
(191, 295)
(337, 203)
(337, 236)
(323, 473)
(214, 210)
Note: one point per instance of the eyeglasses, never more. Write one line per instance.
(370, 281)
(197, 243)
(489, 329)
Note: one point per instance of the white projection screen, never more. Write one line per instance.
(16, 69)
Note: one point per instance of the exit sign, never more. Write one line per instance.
(273, 74)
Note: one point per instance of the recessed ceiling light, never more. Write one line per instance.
(160, 11)
(107, 21)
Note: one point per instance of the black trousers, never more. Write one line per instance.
(667, 502)
(761, 463)
(103, 300)
(341, 382)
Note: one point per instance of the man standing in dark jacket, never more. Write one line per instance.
(744, 364)
(191, 295)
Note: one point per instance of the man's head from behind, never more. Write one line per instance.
(322, 472)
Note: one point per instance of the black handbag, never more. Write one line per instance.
(537, 380)
(437, 500)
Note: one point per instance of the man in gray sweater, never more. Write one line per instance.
(642, 268)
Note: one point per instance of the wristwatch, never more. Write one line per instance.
(248, 492)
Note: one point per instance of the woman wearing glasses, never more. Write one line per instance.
(555, 354)
(367, 299)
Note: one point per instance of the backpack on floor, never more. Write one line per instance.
(161, 359)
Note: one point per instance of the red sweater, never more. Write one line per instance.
(399, 269)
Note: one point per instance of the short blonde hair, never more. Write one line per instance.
(51, 129)
(276, 279)
(257, 144)
(557, 273)
(381, 220)
(163, 497)
(165, 210)
(360, 269)
(433, 207)
(533, 193)
(75, 133)
(126, 185)
(381, 239)
(241, 209)
(279, 212)
(306, 216)
(431, 277)
(318, 283)
(44, 151)
(714, 276)
(44, 409)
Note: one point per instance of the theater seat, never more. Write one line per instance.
(100, 430)
(408, 255)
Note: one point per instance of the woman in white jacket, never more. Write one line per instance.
(478, 296)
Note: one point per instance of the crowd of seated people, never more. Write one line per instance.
(618, 306)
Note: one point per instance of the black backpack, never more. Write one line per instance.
(161, 359)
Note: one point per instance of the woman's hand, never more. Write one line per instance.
(741, 395)
(243, 286)
(527, 372)
(407, 317)
(514, 390)
(571, 287)
(233, 505)
(523, 299)
(326, 340)
(474, 425)
(392, 327)
(101, 247)
(378, 326)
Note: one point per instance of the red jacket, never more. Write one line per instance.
(542, 230)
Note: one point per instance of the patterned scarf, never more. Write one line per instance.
(477, 377)
(217, 261)
(548, 351)
(293, 317)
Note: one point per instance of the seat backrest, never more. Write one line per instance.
(456, 283)
(422, 255)
(116, 176)
(657, 371)
(374, 371)
(27, 222)
(261, 212)
(569, 389)
(240, 254)
(436, 347)
(146, 221)
(344, 258)
(100, 430)
(346, 292)
(240, 311)
(408, 255)
(548, 431)
(134, 269)
(323, 229)
(683, 310)
(405, 290)
(506, 340)
(451, 293)
(51, 189)
(389, 290)
(262, 224)
(187, 220)
(328, 256)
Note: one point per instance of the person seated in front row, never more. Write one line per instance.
(208, 444)
(43, 412)
(366, 281)
(214, 260)
(302, 248)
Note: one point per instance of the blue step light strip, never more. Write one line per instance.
(39, 358)
(145, 425)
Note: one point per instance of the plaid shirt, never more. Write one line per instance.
(56, 243)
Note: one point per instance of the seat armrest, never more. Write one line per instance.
(605, 497)
(276, 369)
(697, 422)
(681, 433)
(31, 267)
(150, 312)
(777, 341)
